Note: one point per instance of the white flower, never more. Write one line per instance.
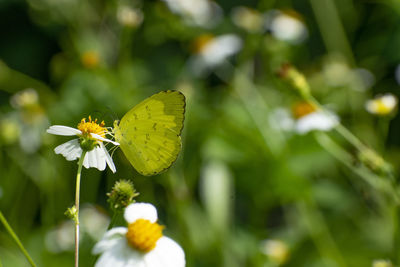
(381, 105)
(28, 121)
(317, 120)
(286, 27)
(25, 98)
(276, 250)
(281, 119)
(129, 17)
(141, 244)
(247, 18)
(203, 13)
(304, 118)
(97, 156)
(213, 51)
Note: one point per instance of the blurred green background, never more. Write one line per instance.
(245, 190)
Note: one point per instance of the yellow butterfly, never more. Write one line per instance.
(149, 134)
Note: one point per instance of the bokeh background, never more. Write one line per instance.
(247, 189)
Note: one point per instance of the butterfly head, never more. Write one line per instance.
(116, 123)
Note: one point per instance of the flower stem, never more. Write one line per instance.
(16, 239)
(349, 136)
(76, 218)
(113, 220)
(346, 158)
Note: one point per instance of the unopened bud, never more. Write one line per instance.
(72, 213)
(122, 194)
(374, 161)
(295, 79)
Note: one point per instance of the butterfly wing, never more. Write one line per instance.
(149, 134)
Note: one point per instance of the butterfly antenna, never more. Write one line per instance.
(98, 114)
(111, 114)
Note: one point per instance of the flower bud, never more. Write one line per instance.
(374, 161)
(295, 79)
(122, 195)
(72, 213)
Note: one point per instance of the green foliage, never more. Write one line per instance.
(244, 177)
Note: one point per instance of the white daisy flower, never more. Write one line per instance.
(304, 118)
(382, 105)
(247, 18)
(308, 118)
(141, 244)
(318, 120)
(129, 17)
(276, 250)
(211, 51)
(91, 136)
(286, 26)
(202, 13)
(281, 119)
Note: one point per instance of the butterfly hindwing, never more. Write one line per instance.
(149, 134)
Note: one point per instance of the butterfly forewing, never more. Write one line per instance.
(150, 132)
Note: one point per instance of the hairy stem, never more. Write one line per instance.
(16, 239)
(76, 218)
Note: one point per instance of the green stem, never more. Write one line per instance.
(349, 136)
(352, 139)
(346, 158)
(113, 220)
(331, 28)
(77, 192)
(319, 232)
(254, 103)
(16, 239)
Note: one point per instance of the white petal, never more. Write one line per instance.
(108, 158)
(104, 139)
(221, 48)
(120, 255)
(92, 158)
(101, 158)
(167, 253)
(371, 106)
(201, 12)
(109, 239)
(286, 27)
(71, 150)
(322, 121)
(95, 158)
(140, 211)
(86, 161)
(281, 119)
(389, 100)
(63, 130)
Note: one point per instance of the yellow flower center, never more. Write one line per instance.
(302, 109)
(90, 59)
(92, 126)
(201, 42)
(382, 108)
(143, 235)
